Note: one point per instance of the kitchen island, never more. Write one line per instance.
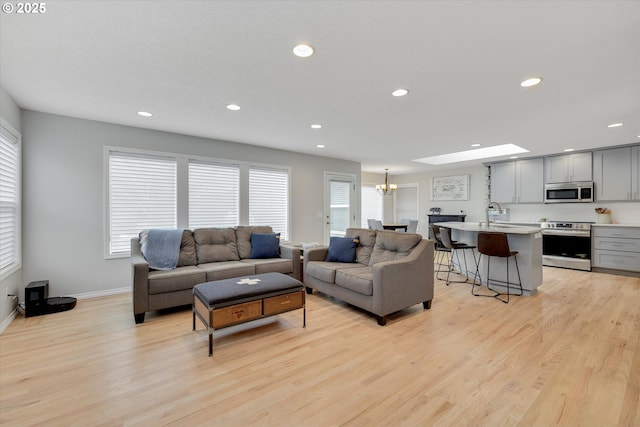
(526, 240)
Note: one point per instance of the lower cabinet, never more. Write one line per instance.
(616, 248)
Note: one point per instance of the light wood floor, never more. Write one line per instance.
(569, 356)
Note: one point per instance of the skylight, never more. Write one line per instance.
(480, 153)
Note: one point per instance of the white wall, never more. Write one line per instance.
(10, 113)
(63, 213)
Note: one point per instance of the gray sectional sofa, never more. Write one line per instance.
(206, 254)
(392, 271)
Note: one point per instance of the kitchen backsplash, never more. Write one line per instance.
(622, 213)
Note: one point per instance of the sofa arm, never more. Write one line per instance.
(293, 253)
(139, 279)
(404, 282)
(319, 253)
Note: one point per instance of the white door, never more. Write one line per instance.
(339, 209)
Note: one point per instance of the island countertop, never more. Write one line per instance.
(527, 241)
(504, 228)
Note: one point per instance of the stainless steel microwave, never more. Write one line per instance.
(569, 192)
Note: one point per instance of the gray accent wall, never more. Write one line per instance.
(63, 195)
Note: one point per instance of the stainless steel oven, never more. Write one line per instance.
(566, 244)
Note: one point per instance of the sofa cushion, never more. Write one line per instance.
(265, 245)
(342, 249)
(326, 271)
(391, 246)
(226, 269)
(180, 278)
(243, 237)
(215, 244)
(187, 250)
(367, 242)
(271, 265)
(356, 279)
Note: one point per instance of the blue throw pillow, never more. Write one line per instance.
(342, 249)
(265, 245)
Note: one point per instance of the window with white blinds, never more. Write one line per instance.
(214, 195)
(269, 199)
(370, 204)
(142, 195)
(10, 201)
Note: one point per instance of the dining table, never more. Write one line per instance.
(395, 226)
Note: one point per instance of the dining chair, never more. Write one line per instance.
(413, 226)
(495, 244)
(375, 224)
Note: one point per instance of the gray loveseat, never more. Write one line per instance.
(206, 254)
(393, 271)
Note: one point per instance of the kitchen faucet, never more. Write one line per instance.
(492, 205)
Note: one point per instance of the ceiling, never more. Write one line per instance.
(462, 62)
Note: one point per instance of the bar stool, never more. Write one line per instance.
(454, 247)
(495, 244)
(439, 249)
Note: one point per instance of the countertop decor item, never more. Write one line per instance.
(604, 215)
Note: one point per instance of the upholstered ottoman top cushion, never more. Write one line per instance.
(221, 293)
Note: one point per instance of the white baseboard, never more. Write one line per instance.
(7, 321)
(98, 294)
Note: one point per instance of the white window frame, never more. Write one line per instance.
(16, 138)
(182, 186)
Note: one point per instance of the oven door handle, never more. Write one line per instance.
(566, 233)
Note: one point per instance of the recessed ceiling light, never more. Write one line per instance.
(400, 92)
(303, 50)
(475, 145)
(144, 114)
(233, 107)
(478, 153)
(320, 145)
(316, 126)
(569, 149)
(615, 125)
(531, 82)
(513, 157)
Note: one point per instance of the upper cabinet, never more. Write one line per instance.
(568, 168)
(616, 175)
(519, 181)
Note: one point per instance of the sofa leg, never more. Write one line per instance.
(309, 290)
(139, 318)
(382, 320)
(426, 304)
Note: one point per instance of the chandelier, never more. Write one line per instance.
(386, 188)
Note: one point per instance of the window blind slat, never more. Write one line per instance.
(9, 202)
(269, 199)
(142, 195)
(214, 192)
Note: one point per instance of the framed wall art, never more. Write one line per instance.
(450, 187)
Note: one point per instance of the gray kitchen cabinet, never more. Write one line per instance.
(616, 248)
(615, 174)
(568, 168)
(520, 181)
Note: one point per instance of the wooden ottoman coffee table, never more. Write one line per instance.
(228, 302)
